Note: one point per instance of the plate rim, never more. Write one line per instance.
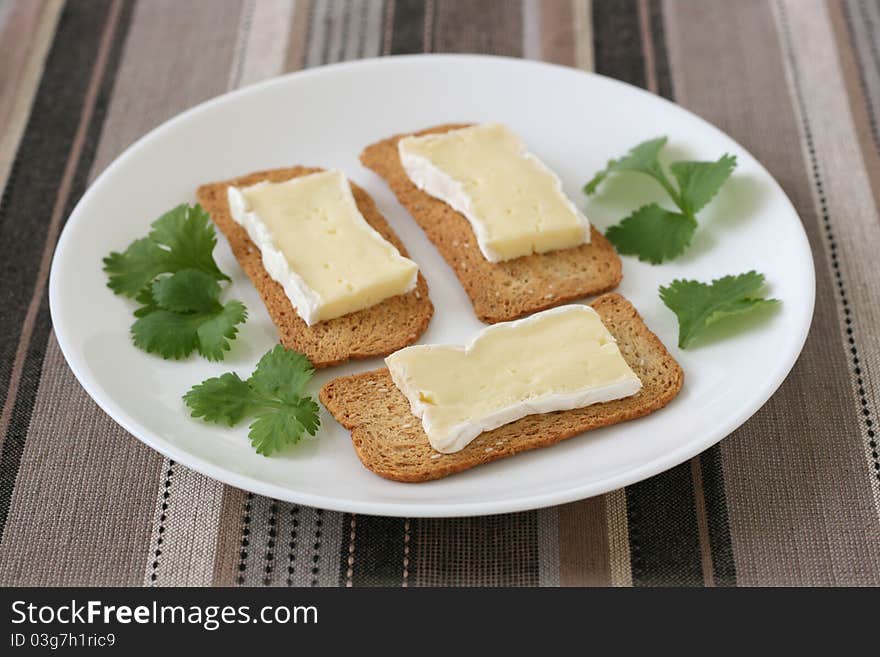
(626, 477)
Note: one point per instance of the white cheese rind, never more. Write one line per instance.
(449, 439)
(373, 285)
(436, 182)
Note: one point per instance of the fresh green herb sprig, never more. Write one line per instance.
(274, 394)
(653, 233)
(700, 305)
(173, 275)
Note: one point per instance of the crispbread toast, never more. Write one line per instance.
(376, 331)
(390, 441)
(504, 290)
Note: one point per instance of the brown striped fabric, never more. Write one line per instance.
(791, 498)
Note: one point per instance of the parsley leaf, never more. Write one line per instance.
(699, 305)
(183, 313)
(182, 238)
(652, 233)
(274, 395)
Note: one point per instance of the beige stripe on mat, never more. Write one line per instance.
(492, 26)
(582, 13)
(797, 514)
(584, 558)
(83, 500)
(556, 38)
(152, 86)
(846, 196)
(297, 41)
(25, 40)
(856, 91)
(185, 523)
(618, 538)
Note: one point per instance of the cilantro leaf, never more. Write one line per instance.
(273, 395)
(643, 158)
(182, 238)
(223, 399)
(175, 335)
(133, 269)
(653, 234)
(189, 235)
(215, 331)
(179, 312)
(169, 334)
(273, 431)
(282, 373)
(699, 305)
(698, 182)
(182, 313)
(188, 290)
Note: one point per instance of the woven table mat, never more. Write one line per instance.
(791, 498)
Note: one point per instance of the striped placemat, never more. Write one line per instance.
(793, 497)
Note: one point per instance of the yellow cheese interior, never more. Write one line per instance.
(511, 370)
(315, 223)
(513, 196)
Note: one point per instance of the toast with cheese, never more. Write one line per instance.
(504, 290)
(390, 441)
(375, 331)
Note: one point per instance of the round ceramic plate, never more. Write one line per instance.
(573, 121)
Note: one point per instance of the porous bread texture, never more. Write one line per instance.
(505, 290)
(376, 331)
(390, 441)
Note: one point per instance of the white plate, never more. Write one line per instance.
(572, 120)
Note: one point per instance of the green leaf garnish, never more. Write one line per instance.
(700, 305)
(182, 238)
(653, 234)
(183, 313)
(274, 394)
(172, 274)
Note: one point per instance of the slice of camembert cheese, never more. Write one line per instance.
(514, 203)
(315, 242)
(555, 360)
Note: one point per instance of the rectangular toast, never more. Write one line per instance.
(506, 290)
(390, 441)
(376, 331)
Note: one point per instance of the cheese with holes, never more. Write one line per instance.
(316, 243)
(513, 202)
(555, 360)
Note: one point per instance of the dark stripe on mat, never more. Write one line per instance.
(661, 58)
(377, 557)
(617, 43)
(40, 163)
(663, 535)
(408, 35)
(723, 566)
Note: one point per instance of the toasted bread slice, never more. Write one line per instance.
(376, 331)
(390, 441)
(504, 290)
